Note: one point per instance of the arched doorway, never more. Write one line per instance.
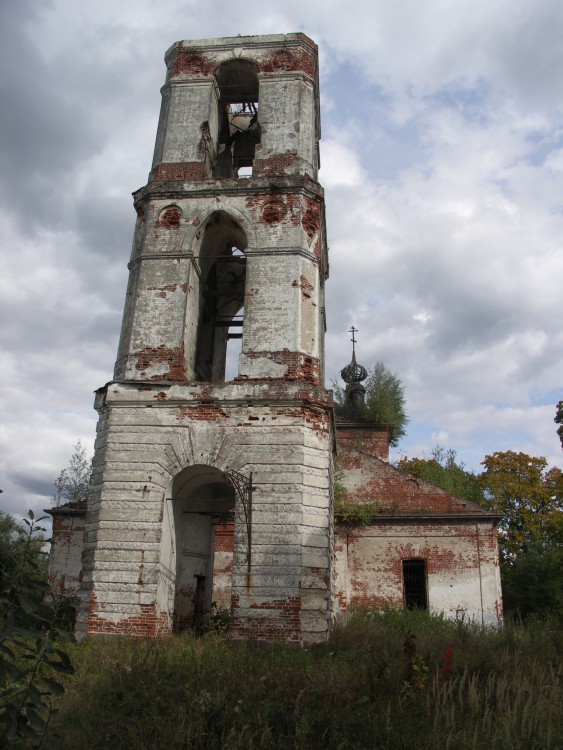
(202, 500)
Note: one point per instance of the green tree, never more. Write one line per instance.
(558, 419)
(18, 550)
(530, 497)
(384, 401)
(29, 637)
(444, 470)
(73, 483)
(532, 583)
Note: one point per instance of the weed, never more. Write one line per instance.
(467, 688)
(32, 626)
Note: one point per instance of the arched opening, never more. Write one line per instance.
(202, 500)
(222, 269)
(239, 129)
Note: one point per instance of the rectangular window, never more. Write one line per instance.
(414, 584)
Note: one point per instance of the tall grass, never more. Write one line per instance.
(393, 680)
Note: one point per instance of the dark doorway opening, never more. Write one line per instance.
(414, 584)
(202, 501)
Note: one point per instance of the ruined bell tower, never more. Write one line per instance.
(211, 477)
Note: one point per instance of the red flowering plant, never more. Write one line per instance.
(448, 666)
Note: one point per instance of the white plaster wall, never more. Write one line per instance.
(191, 104)
(147, 440)
(462, 573)
(65, 559)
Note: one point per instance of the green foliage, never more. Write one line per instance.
(349, 513)
(558, 419)
(532, 584)
(22, 556)
(530, 497)
(384, 402)
(386, 680)
(73, 483)
(354, 514)
(29, 635)
(10, 535)
(217, 620)
(338, 486)
(443, 470)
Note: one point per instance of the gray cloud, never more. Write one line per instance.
(443, 167)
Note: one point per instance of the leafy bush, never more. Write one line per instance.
(30, 650)
(532, 583)
(444, 470)
(217, 620)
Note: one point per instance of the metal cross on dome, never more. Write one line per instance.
(353, 373)
(353, 331)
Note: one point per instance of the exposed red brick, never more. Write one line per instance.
(170, 219)
(284, 627)
(66, 551)
(298, 366)
(206, 411)
(191, 62)
(174, 358)
(354, 443)
(274, 212)
(225, 537)
(314, 416)
(272, 207)
(306, 287)
(311, 216)
(146, 624)
(294, 59)
(162, 290)
(394, 491)
(189, 170)
(274, 165)
(317, 248)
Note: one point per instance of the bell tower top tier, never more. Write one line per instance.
(250, 105)
(230, 240)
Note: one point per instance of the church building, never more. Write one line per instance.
(213, 470)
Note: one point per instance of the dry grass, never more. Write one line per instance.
(461, 688)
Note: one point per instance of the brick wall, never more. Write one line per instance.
(411, 519)
(461, 562)
(65, 559)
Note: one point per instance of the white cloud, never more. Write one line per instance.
(340, 166)
(442, 159)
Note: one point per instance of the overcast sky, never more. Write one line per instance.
(442, 161)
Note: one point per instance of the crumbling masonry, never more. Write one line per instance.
(229, 243)
(212, 475)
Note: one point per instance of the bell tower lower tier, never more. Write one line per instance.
(212, 471)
